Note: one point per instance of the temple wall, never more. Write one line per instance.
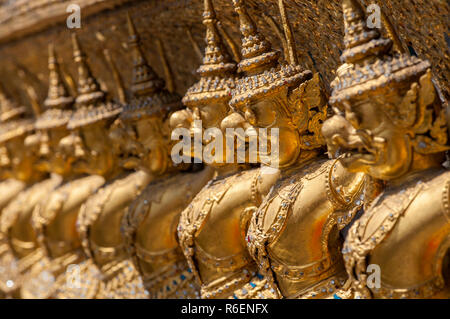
(26, 28)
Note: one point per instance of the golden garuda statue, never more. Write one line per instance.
(288, 165)
(22, 191)
(149, 224)
(222, 266)
(392, 126)
(91, 162)
(313, 197)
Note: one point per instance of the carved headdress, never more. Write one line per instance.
(217, 73)
(150, 98)
(372, 66)
(59, 102)
(91, 104)
(264, 75)
(370, 61)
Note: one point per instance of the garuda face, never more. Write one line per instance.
(148, 145)
(203, 121)
(89, 149)
(385, 134)
(125, 145)
(22, 152)
(51, 157)
(296, 112)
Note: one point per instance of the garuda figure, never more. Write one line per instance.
(9, 186)
(50, 129)
(88, 152)
(294, 236)
(22, 190)
(150, 223)
(393, 128)
(101, 217)
(212, 228)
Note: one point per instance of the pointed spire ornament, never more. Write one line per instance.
(145, 80)
(150, 97)
(371, 62)
(360, 41)
(58, 94)
(168, 75)
(59, 102)
(25, 75)
(235, 50)
(217, 73)
(263, 74)
(120, 88)
(91, 103)
(88, 88)
(290, 41)
(257, 52)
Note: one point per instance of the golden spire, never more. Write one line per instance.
(59, 102)
(9, 110)
(235, 50)
(170, 83)
(290, 41)
(263, 73)
(360, 41)
(218, 69)
(194, 44)
(91, 103)
(58, 94)
(393, 35)
(257, 52)
(89, 91)
(116, 75)
(216, 60)
(371, 64)
(145, 80)
(150, 96)
(14, 121)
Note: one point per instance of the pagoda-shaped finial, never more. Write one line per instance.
(369, 59)
(58, 94)
(89, 90)
(257, 52)
(218, 69)
(9, 110)
(91, 103)
(361, 42)
(151, 98)
(263, 74)
(59, 102)
(217, 60)
(145, 80)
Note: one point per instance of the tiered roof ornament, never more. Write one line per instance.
(59, 102)
(91, 104)
(263, 74)
(150, 98)
(217, 73)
